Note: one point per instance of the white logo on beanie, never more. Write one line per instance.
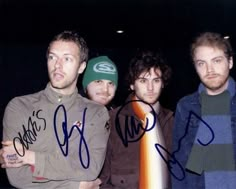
(104, 67)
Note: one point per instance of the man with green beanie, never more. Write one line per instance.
(100, 80)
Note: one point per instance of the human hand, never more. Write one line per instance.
(11, 158)
(90, 184)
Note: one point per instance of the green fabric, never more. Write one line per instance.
(195, 161)
(215, 105)
(216, 155)
(100, 68)
(213, 157)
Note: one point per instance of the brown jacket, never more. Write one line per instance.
(121, 168)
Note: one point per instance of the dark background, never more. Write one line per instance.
(27, 26)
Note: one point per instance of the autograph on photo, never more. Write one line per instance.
(130, 132)
(29, 135)
(64, 143)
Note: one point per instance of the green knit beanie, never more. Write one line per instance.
(100, 68)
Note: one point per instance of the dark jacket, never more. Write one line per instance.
(187, 116)
(121, 168)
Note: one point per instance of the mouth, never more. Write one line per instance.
(150, 95)
(211, 76)
(103, 95)
(58, 76)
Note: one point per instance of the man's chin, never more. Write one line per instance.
(106, 102)
(212, 86)
(150, 101)
(57, 85)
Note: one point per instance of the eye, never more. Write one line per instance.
(199, 63)
(142, 80)
(98, 81)
(157, 80)
(111, 83)
(68, 59)
(51, 57)
(218, 60)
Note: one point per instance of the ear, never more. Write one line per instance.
(82, 67)
(131, 87)
(231, 63)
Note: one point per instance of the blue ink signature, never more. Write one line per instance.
(67, 135)
(131, 134)
(131, 131)
(30, 134)
(173, 161)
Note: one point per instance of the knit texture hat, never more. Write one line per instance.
(100, 68)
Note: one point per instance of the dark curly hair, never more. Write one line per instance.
(143, 61)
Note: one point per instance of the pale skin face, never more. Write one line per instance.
(101, 91)
(212, 67)
(64, 66)
(148, 86)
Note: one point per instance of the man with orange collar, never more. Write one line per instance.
(147, 76)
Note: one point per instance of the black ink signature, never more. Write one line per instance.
(67, 135)
(30, 134)
(173, 161)
(131, 131)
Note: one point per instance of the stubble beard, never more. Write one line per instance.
(215, 85)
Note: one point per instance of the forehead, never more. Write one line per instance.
(64, 47)
(153, 72)
(207, 51)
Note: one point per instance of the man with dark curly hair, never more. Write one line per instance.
(125, 159)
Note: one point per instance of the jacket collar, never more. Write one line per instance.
(128, 110)
(57, 98)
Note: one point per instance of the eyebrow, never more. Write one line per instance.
(211, 59)
(66, 54)
(218, 57)
(147, 78)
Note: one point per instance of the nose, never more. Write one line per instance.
(150, 86)
(104, 87)
(209, 67)
(58, 63)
